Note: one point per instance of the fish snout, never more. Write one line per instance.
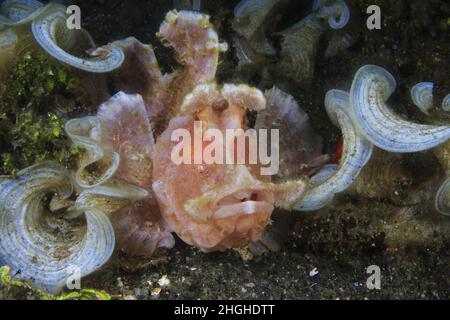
(246, 202)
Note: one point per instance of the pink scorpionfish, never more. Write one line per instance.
(209, 206)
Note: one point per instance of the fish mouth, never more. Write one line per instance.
(244, 203)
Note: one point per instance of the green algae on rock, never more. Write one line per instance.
(34, 99)
(9, 287)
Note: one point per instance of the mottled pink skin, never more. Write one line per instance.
(174, 185)
(127, 130)
(140, 230)
(216, 206)
(148, 101)
(213, 207)
(139, 227)
(195, 43)
(140, 73)
(130, 120)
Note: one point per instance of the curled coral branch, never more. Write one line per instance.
(28, 244)
(371, 88)
(357, 152)
(51, 32)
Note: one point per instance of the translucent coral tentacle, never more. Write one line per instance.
(86, 134)
(357, 152)
(19, 12)
(442, 200)
(337, 13)
(109, 198)
(118, 140)
(422, 96)
(371, 88)
(51, 32)
(9, 43)
(29, 244)
(252, 14)
(446, 103)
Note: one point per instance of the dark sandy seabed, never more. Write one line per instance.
(340, 241)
